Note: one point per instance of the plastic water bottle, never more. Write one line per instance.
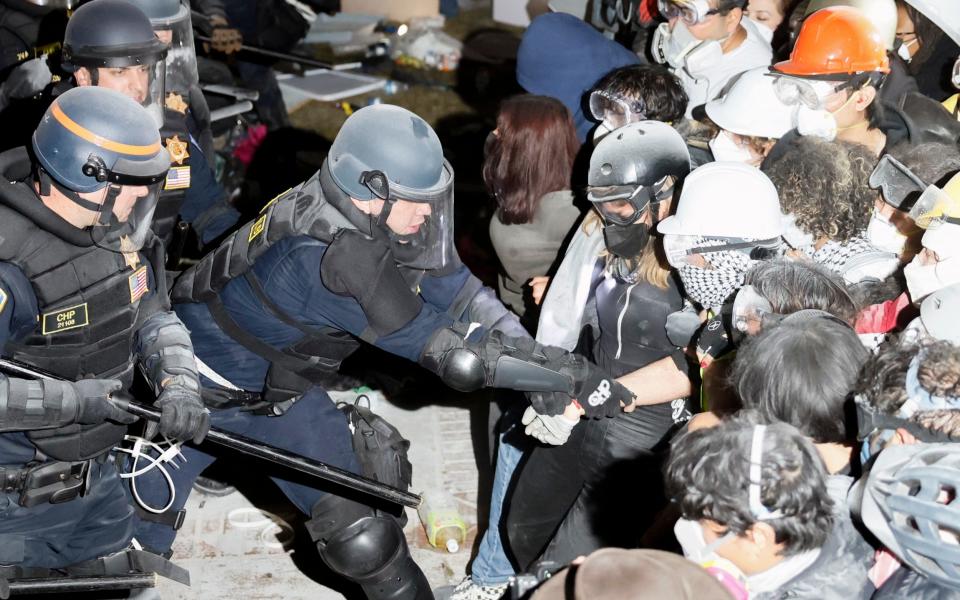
(441, 520)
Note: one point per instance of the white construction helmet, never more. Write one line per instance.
(751, 107)
(945, 14)
(726, 199)
(882, 13)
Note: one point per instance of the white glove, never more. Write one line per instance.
(553, 430)
(28, 79)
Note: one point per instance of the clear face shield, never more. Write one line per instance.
(181, 63)
(955, 77)
(898, 185)
(418, 222)
(126, 205)
(934, 208)
(615, 111)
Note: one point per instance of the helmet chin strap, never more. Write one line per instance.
(103, 210)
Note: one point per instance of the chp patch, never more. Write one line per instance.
(138, 284)
(65, 319)
(178, 178)
(257, 228)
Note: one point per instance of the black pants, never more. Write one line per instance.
(572, 499)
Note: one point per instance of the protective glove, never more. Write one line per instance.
(713, 341)
(554, 430)
(93, 399)
(226, 40)
(599, 394)
(28, 79)
(183, 415)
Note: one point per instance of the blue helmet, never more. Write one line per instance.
(92, 136)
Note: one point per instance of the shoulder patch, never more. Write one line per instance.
(65, 319)
(257, 228)
(3, 299)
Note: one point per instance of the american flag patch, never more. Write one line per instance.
(178, 178)
(138, 284)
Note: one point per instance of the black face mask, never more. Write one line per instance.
(626, 241)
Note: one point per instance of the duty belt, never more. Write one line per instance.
(53, 482)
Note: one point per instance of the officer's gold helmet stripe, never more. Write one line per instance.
(107, 144)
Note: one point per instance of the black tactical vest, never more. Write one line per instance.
(90, 301)
(300, 211)
(176, 139)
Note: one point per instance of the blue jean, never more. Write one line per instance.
(491, 566)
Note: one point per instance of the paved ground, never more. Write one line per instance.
(236, 550)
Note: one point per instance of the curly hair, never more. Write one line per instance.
(708, 476)
(793, 285)
(882, 380)
(825, 186)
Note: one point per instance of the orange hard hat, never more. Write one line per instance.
(838, 40)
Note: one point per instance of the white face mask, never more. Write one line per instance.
(681, 50)
(600, 132)
(818, 123)
(724, 148)
(904, 52)
(924, 279)
(883, 234)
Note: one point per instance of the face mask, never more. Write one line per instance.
(690, 535)
(923, 280)
(903, 51)
(710, 287)
(724, 148)
(819, 122)
(626, 241)
(883, 234)
(765, 32)
(670, 47)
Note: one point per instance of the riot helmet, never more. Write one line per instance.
(388, 154)
(633, 170)
(171, 22)
(114, 41)
(94, 139)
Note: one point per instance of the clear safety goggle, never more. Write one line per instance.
(692, 250)
(898, 185)
(749, 308)
(812, 93)
(935, 207)
(615, 110)
(691, 12)
(623, 204)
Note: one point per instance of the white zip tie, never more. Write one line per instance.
(164, 456)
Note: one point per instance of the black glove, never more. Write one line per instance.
(183, 415)
(598, 393)
(549, 404)
(93, 399)
(714, 341)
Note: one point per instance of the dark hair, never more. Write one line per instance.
(793, 285)
(802, 373)
(825, 185)
(532, 155)
(653, 86)
(708, 476)
(928, 34)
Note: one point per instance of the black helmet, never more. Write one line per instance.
(110, 33)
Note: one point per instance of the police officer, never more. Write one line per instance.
(82, 295)
(361, 251)
(111, 43)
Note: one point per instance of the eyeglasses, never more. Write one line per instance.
(691, 13)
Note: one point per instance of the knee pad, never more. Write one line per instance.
(368, 549)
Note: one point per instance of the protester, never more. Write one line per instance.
(636, 93)
(527, 169)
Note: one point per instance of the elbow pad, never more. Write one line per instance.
(495, 360)
(167, 353)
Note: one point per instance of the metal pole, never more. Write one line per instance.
(74, 585)
(248, 446)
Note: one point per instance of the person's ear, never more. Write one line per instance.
(763, 536)
(83, 77)
(866, 96)
(368, 207)
(732, 19)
